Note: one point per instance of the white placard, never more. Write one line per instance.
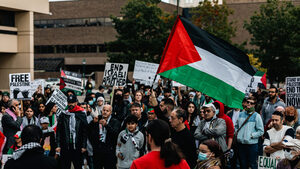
(115, 74)
(59, 98)
(145, 71)
(293, 91)
(5, 158)
(267, 162)
(37, 86)
(20, 86)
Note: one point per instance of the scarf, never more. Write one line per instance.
(18, 153)
(72, 126)
(12, 114)
(27, 121)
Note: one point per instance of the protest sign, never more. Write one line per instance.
(20, 86)
(59, 98)
(5, 158)
(72, 81)
(37, 86)
(115, 74)
(145, 71)
(267, 162)
(293, 91)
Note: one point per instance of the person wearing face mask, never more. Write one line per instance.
(211, 127)
(210, 155)
(291, 117)
(229, 124)
(71, 134)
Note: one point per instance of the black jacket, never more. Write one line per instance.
(63, 131)
(32, 159)
(113, 128)
(10, 128)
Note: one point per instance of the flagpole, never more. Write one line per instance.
(177, 7)
(153, 82)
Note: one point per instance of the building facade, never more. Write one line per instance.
(17, 37)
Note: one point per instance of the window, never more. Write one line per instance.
(7, 18)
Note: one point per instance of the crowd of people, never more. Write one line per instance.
(140, 127)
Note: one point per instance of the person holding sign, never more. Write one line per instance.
(273, 138)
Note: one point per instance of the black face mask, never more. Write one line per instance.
(289, 118)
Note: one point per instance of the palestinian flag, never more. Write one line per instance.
(260, 77)
(206, 63)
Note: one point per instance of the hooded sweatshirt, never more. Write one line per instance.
(228, 121)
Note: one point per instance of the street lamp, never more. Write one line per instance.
(83, 72)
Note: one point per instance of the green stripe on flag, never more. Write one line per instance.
(259, 73)
(201, 81)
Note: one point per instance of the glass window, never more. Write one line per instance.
(7, 18)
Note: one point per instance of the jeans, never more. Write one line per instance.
(248, 154)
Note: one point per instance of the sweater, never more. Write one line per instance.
(129, 151)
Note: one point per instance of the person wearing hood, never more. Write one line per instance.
(229, 124)
(211, 127)
(5, 99)
(71, 134)
(100, 104)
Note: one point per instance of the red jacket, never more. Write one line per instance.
(228, 121)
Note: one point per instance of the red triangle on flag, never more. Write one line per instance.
(264, 80)
(62, 74)
(179, 50)
(62, 83)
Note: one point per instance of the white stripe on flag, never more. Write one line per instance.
(222, 69)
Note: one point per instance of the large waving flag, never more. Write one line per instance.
(206, 63)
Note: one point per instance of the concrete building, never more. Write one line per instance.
(17, 37)
(187, 3)
(76, 31)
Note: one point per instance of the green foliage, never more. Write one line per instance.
(142, 33)
(213, 18)
(275, 33)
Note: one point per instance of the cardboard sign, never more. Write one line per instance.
(59, 98)
(115, 74)
(20, 86)
(73, 81)
(267, 162)
(293, 91)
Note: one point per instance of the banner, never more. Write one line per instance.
(20, 86)
(115, 74)
(59, 98)
(145, 71)
(72, 81)
(267, 162)
(293, 91)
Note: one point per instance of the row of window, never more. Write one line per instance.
(80, 22)
(92, 48)
(7, 18)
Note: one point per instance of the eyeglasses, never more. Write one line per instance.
(271, 92)
(206, 111)
(252, 103)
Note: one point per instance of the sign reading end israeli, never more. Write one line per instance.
(267, 162)
(20, 86)
(293, 91)
(115, 74)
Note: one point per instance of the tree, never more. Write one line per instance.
(142, 33)
(275, 35)
(213, 18)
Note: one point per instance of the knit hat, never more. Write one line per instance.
(5, 94)
(44, 120)
(209, 105)
(17, 135)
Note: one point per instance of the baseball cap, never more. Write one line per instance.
(210, 105)
(44, 120)
(18, 135)
(72, 99)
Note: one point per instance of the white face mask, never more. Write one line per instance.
(288, 155)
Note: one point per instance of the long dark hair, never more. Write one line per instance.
(215, 148)
(194, 114)
(160, 133)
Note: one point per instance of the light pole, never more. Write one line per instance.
(83, 73)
